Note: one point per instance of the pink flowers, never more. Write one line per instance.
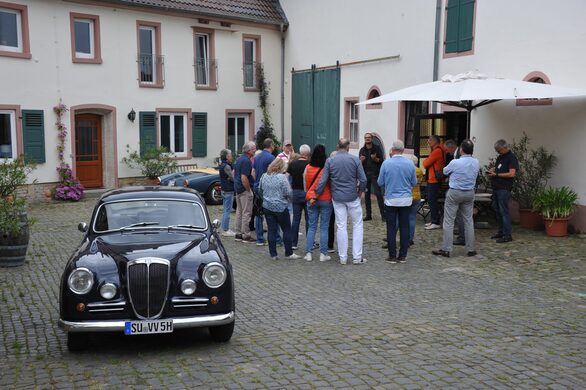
(69, 188)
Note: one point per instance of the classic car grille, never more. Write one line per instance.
(148, 283)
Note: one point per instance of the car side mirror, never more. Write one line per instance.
(82, 227)
(216, 224)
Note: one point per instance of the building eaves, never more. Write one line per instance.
(256, 11)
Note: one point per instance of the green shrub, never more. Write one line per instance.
(152, 163)
(554, 203)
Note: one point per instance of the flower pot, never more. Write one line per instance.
(556, 227)
(529, 219)
(13, 247)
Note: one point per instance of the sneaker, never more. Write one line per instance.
(238, 237)
(432, 226)
(359, 261)
(391, 260)
(323, 257)
(293, 256)
(260, 243)
(343, 261)
(300, 234)
(331, 250)
(228, 233)
(504, 239)
(308, 256)
(315, 246)
(248, 239)
(400, 259)
(294, 247)
(427, 224)
(275, 258)
(367, 218)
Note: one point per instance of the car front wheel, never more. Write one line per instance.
(77, 341)
(214, 194)
(222, 333)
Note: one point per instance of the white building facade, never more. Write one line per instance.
(523, 40)
(134, 75)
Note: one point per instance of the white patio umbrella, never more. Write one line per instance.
(472, 89)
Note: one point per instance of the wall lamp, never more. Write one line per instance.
(132, 115)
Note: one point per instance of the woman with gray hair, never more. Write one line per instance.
(227, 183)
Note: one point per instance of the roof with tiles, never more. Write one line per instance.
(258, 11)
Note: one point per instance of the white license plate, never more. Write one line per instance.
(148, 327)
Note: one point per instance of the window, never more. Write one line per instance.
(351, 121)
(205, 63)
(7, 134)
(173, 132)
(150, 62)
(540, 78)
(411, 110)
(251, 63)
(237, 131)
(459, 27)
(14, 38)
(374, 92)
(85, 38)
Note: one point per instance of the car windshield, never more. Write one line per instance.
(149, 214)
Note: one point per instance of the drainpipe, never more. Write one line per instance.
(436, 46)
(282, 82)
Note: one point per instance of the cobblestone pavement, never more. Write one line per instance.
(512, 317)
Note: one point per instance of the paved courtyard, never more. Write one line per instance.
(512, 317)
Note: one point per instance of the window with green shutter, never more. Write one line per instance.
(33, 135)
(199, 134)
(459, 26)
(148, 131)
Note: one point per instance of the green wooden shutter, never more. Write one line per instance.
(466, 25)
(148, 131)
(33, 135)
(199, 134)
(452, 26)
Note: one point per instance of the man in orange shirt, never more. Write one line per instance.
(434, 163)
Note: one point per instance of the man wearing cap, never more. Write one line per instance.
(285, 155)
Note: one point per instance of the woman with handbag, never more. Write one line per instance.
(317, 209)
(276, 194)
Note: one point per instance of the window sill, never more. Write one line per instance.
(205, 88)
(76, 60)
(458, 53)
(251, 89)
(14, 54)
(142, 85)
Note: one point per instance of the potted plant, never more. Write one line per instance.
(556, 205)
(535, 169)
(152, 163)
(14, 221)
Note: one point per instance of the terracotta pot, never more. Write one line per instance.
(529, 219)
(48, 194)
(556, 227)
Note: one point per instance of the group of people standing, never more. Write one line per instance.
(327, 192)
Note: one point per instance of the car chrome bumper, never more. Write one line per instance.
(118, 325)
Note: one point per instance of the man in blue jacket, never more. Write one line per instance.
(397, 175)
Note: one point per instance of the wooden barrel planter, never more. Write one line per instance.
(13, 247)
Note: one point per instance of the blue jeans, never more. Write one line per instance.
(274, 221)
(500, 202)
(413, 218)
(432, 197)
(298, 207)
(322, 209)
(227, 200)
(391, 214)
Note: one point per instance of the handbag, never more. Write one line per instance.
(257, 209)
(314, 178)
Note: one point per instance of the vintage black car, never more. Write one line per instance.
(150, 262)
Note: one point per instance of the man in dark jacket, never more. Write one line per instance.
(372, 158)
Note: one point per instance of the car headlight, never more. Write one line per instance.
(188, 287)
(80, 281)
(108, 291)
(214, 275)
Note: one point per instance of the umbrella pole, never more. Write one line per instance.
(468, 116)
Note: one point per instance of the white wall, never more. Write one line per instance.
(322, 32)
(513, 39)
(50, 75)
